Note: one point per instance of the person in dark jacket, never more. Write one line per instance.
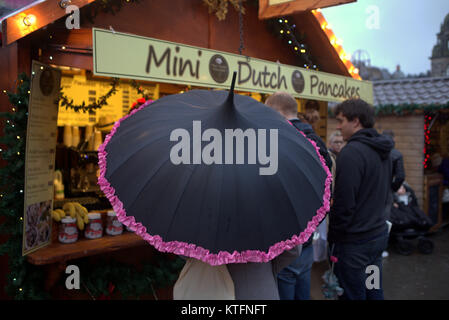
(358, 232)
(398, 176)
(294, 280)
(310, 134)
(398, 164)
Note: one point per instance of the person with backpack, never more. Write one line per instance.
(398, 176)
(294, 280)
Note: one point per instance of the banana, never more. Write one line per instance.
(60, 212)
(80, 208)
(55, 216)
(81, 212)
(70, 208)
(80, 222)
(75, 210)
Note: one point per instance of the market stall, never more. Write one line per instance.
(109, 66)
(417, 111)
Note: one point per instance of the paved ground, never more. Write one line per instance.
(418, 276)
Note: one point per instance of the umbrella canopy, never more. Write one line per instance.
(174, 173)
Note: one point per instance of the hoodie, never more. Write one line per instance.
(362, 186)
(310, 134)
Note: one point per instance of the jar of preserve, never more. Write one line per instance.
(113, 226)
(68, 232)
(94, 228)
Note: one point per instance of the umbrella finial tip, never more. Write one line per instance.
(234, 76)
(231, 91)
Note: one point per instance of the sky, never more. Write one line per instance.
(393, 32)
(9, 6)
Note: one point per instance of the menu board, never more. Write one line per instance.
(80, 88)
(40, 156)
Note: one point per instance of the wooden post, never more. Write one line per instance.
(53, 272)
(277, 8)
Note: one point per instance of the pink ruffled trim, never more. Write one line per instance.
(192, 250)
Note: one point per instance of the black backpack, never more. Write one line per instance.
(310, 134)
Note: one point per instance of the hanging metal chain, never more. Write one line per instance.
(241, 27)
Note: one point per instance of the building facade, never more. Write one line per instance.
(440, 52)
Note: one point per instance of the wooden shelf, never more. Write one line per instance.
(61, 252)
(81, 200)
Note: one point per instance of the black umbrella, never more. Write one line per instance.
(182, 196)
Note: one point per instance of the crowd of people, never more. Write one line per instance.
(367, 174)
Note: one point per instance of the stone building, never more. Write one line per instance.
(440, 52)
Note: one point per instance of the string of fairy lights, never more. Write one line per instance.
(336, 43)
(11, 123)
(427, 126)
(288, 32)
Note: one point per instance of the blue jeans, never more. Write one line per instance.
(351, 268)
(294, 280)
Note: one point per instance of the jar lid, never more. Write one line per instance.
(94, 215)
(111, 213)
(68, 220)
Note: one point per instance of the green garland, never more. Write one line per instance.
(26, 281)
(402, 109)
(220, 7)
(98, 104)
(102, 101)
(110, 278)
(91, 11)
(406, 108)
(145, 95)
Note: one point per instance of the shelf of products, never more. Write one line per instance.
(61, 252)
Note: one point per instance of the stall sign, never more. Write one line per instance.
(163, 61)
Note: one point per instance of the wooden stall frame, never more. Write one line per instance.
(45, 12)
(267, 10)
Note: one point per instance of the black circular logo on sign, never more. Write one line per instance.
(298, 81)
(218, 68)
(46, 82)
